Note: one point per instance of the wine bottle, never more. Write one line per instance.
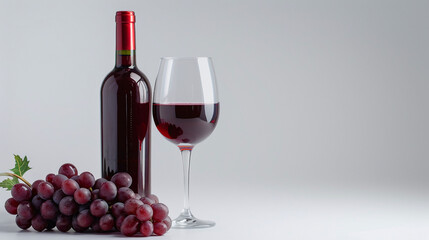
(125, 112)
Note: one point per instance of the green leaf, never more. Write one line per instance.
(8, 183)
(21, 166)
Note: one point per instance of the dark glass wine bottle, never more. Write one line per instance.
(125, 112)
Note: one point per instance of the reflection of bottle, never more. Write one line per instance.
(125, 112)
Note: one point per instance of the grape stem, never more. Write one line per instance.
(6, 174)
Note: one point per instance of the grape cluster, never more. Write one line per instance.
(68, 200)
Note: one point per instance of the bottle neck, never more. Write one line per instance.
(125, 58)
(125, 45)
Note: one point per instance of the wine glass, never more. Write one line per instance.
(185, 111)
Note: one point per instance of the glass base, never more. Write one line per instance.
(187, 220)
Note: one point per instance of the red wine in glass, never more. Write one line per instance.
(185, 112)
(186, 123)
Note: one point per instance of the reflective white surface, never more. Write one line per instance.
(304, 213)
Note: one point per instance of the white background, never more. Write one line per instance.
(323, 130)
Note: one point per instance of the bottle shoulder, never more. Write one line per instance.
(126, 76)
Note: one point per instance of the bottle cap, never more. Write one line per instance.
(125, 17)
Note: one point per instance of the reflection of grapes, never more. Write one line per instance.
(169, 130)
(68, 200)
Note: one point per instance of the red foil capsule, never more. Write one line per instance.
(125, 30)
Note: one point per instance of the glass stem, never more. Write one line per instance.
(186, 159)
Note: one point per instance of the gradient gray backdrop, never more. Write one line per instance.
(328, 96)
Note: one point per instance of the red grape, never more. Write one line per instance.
(99, 208)
(85, 219)
(21, 192)
(11, 206)
(130, 225)
(58, 180)
(50, 177)
(68, 169)
(117, 209)
(146, 228)
(118, 222)
(160, 211)
(122, 179)
(154, 198)
(45, 190)
(131, 206)
(34, 186)
(86, 180)
(37, 202)
(83, 207)
(96, 225)
(68, 206)
(99, 182)
(26, 210)
(108, 191)
(49, 210)
(147, 200)
(64, 223)
(125, 193)
(38, 223)
(107, 222)
(50, 224)
(94, 194)
(22, 223)
(58, 195)
(68, 200)
(159, 228)
(69, 186)
(76, 226)
(144, 212)
(167, 222)
(82, 196)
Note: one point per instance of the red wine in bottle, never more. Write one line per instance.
(125, 112)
